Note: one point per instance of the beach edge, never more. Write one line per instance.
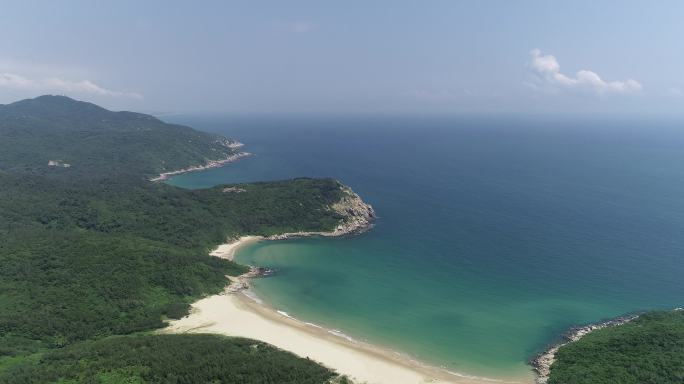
(210, 315)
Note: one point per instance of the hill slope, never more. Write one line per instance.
(95, 250)
(649, 350)
(93, 140)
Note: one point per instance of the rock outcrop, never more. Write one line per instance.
(357, 217)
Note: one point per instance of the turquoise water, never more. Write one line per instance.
(494, 236)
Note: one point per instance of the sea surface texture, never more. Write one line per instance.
(494, 235)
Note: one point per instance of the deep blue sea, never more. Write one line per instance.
(495, 234)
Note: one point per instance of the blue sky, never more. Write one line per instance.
(603, 57)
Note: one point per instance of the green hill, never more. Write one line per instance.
(94, 251)
(648, 350)
(95, 141)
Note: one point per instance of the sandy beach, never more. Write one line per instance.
(237, 313)
(227, 250)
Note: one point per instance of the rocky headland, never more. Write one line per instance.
(357, 217)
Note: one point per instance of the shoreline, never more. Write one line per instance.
(357, 215)
(227, 250)
(239, 312)
(209, 165)
(543, 361)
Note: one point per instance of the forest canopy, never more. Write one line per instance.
(93, 251)
(648, 350)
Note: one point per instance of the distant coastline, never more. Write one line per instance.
(210, 164)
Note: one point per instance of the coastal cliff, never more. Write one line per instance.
(358, 215)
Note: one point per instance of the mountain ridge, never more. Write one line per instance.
(95, 141)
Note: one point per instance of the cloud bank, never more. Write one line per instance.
(54, 84)
(547, 73)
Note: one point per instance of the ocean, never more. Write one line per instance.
(494, 236)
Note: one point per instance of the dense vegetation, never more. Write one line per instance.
(96, 250)
(170, 359)
(97, 142)
(648, 350)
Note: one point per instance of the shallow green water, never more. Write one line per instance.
(493, 237)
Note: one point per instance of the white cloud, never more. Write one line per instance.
(547, 73)
(55, 84)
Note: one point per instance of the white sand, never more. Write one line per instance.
(227, 251)
(236, 314)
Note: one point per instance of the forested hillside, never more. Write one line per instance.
(93, 250)
(648, 350)
(170, 359)
(95, 142)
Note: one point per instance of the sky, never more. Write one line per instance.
(423, 56)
